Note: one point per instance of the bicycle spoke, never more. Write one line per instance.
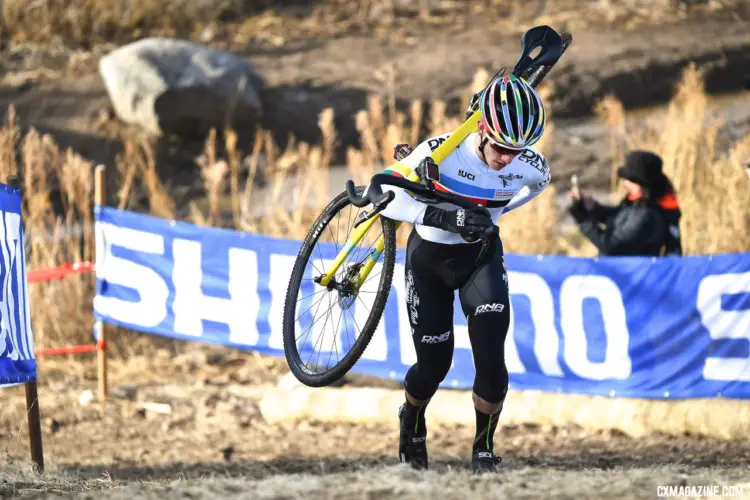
(305, 333)
(368, 309)
(370, 277)
(346, 328)
(318, 309)
(314, 267)
(335, 334)
(322, 262)
(335, 241)
(321, 336)
(349, 223)
(311, 295)
(296, 340)
(355, 324)
(308, 309)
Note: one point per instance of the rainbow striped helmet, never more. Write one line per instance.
(513, 113)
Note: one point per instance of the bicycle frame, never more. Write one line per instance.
(469, 126)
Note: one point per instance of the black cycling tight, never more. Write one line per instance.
(434, 271)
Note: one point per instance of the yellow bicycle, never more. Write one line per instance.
(333, 276)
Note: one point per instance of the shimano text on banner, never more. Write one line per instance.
(635, 327)
(17, 362)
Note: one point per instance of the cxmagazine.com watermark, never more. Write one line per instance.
(701, 491)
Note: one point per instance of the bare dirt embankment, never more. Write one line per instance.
(640, 66)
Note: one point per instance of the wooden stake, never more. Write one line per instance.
(35, 426)
(100, 200)
(32, 397)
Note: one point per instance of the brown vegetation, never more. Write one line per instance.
(86, 23)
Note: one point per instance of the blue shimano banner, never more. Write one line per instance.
(17, 361)
(634, 327)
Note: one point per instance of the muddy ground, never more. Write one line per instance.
(192, 429)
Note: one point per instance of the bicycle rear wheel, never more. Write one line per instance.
(346, 326)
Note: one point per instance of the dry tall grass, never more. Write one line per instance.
(61, 309)
(86, 23)
(713, 187)
(713, 190)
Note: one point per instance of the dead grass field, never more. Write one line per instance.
(214, 443)
(86, 23)
(398, 482)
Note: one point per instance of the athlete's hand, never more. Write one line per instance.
(468, 223)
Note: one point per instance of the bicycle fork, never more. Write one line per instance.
(361, 228)
(370, 261)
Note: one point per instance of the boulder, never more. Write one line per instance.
(174, 86)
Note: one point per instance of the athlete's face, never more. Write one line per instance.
(496, 156)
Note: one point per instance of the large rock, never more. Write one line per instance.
(174, 86)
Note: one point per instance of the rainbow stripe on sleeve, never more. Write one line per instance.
(398, 170)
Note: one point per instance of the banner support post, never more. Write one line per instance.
(33, 416)
(35, 426)
(100, 199)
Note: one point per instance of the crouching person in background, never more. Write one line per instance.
(647, 220)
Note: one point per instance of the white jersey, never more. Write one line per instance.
(464, 173)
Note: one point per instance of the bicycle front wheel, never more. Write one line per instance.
(327, 328)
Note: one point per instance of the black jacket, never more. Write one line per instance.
(632, 228)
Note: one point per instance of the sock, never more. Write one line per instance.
(486, 425)
(414, 418)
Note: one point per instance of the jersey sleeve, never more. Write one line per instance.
(537, 183)
(404, 207)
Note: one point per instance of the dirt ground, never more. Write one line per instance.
(191, 428)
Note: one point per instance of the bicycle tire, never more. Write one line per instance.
(294, 360)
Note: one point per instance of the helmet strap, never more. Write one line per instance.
(482, 143)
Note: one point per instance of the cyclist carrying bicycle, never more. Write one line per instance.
(497, 168)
